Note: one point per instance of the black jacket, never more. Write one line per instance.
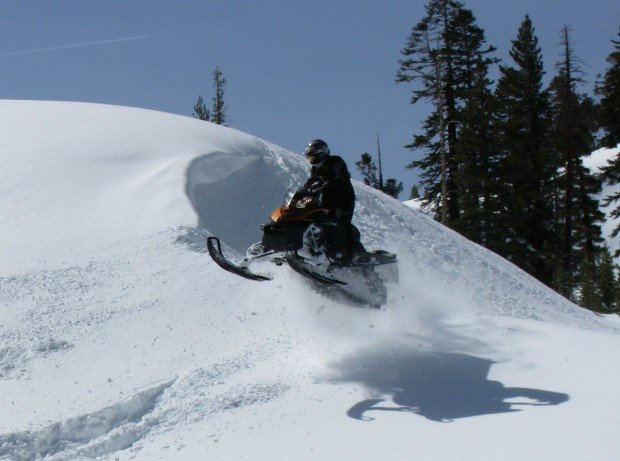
(336, 190)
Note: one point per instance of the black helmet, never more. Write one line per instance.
(316, 151)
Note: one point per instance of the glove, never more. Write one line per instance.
(316, 185)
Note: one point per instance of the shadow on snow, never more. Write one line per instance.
(441, 387)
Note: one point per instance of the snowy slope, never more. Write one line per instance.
(120, 339)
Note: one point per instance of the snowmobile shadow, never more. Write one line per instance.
(441, 387)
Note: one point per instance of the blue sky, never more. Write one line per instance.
(296, 70)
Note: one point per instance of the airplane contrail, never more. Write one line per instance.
(76, 45)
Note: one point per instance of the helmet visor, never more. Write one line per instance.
(314, 158)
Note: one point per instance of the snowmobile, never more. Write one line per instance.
(300, 234)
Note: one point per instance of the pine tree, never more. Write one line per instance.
(476, 153)
(368, 169)
(527, 166)
(609, 120)
(611, 175)
(609, 107)
(597, 283)
(617, 290)
(392, 187)
(415, 192)
(588, 286)
(440, 57)
(428, 64)
(578, 215)
(219, 107)
(200, 110)
(607, 285)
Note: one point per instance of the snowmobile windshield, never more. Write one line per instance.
(288, 197)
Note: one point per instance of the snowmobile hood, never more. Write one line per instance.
(287, 213)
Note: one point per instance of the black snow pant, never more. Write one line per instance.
(342, 238)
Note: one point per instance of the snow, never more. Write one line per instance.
(414, 204)
(599, 158)
(595, 161)
(121, 339)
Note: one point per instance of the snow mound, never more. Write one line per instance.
(98, 175)
(119, 341)
(77, 177)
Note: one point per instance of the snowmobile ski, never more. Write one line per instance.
(298, 265)
(215, 250)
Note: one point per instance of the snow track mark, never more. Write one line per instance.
(94, 434)
(190, 398)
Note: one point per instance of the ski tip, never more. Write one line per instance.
(215, 251)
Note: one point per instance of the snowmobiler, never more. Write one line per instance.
(314, 235)
(331, 181)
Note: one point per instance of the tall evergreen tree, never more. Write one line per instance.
(440, 57)
(578, 215)
(200, 110)
(609, 119)
(476, 154)
(219, 109)
(609, 107)
(527, 166)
